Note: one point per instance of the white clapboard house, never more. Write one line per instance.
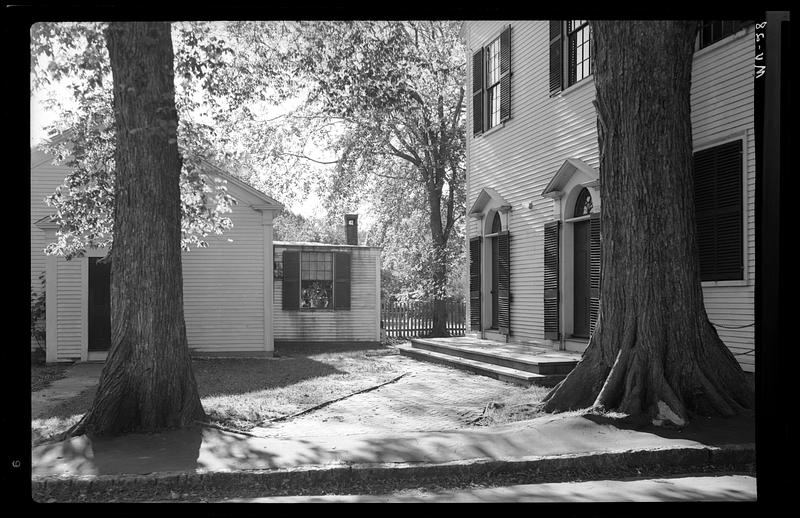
(533, 195)
(235, 301)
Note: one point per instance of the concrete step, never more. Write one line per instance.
(522, 358)
(492, 370)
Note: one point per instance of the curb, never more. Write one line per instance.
(384, 478)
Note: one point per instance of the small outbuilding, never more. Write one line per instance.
(325, 293)
(227, 287)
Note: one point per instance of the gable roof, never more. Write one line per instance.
(570, 167)
(246, 193)
(486, 195)
(252, 196)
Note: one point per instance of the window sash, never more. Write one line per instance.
(316, 280)
(579, 50)
(492, 58)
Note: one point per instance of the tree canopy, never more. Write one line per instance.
(366, 115)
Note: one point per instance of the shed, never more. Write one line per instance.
(326, 294)
(227, 286)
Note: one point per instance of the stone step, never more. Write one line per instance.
(519, 358)
(492, 370)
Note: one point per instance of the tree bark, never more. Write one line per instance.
(439, 265)
(654, 352)
(147, 383)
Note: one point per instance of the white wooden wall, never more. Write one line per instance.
(361, 323)
(519, 158)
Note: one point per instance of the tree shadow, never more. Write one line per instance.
(232, 376)
(283, 349)
(711, 431)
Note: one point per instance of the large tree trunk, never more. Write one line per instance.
(147, 383)
(654, 351)
(439, 266)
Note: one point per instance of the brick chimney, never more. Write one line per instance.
(351, 228)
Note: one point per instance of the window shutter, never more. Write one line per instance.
(341, 280)
(475, 283)
(477, 92)
(718, 211)
(551, 275)
(504, 283)
(556, 62)
(505, 74)
(291, 279)
(595, 265)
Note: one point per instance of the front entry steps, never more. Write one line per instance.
(520, 364)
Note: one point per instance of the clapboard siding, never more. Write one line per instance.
(223, 284)
(223, 288)
(43, 183)
(722, 109)
(519, 158)
(70, 316)
(359, 323)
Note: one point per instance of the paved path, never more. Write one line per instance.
(429, 398)
(407, 429)
(79, 377)
(726, 488)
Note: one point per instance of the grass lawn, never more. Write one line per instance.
(242, 393)
(42, 375)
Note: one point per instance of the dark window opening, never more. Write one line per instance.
(583, 205)
(719, 211)
(712, 31)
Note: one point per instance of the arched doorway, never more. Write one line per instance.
(581, 326)
(495, 287)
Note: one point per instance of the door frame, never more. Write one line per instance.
(582, 222)
(85, 355)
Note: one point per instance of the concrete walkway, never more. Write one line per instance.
(725, 488)
(80, 377)
(404, 431)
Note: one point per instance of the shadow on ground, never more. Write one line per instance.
(310, 348)
(711, 431)
(239, 376)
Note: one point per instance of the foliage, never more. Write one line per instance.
(385, 102)
(75, 53)
(369, 115)
(38, 308)
(288, 226)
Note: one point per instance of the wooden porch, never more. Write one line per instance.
(515, 363)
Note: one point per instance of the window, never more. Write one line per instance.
(583, 205)
(491, 83)
(712, 31)
(570, 53)
(315, 280)
(718, 211)
(579, 57)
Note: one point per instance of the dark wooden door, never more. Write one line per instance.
(99, 304)
(495, 278)
(581, 280)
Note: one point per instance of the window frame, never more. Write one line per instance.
(491, 96)
(733, 27)
(742, 138)
(305, 265)
(340, 282)
(572, 63)
(563, 61)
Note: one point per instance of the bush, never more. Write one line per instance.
(38, 314)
